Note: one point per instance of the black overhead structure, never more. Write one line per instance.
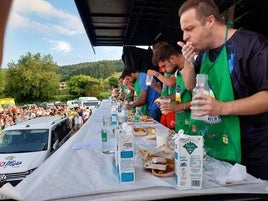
(146, 22)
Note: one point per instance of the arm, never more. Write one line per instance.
(175, 107)
(251, 105)
(156, 87)
(169, 81)
(141, 101)
(130, 87)
(172, 97)
(120, 96)
(188, 75)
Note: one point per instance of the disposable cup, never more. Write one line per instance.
(161, 136)
(164, 101)
(149, 80)
(107, 120)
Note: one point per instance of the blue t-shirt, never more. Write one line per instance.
(152, 94)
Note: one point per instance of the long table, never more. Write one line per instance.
(79, 171)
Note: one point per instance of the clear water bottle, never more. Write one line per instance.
(137, 116)
(122, 115)
(104, 140)
(114, 114)
(200, 88)
(107, 138)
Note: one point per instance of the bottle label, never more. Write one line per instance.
(114, 119)
(104, 136)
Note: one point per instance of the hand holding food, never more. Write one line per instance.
(188, 51)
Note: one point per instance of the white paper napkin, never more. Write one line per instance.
(237, 174)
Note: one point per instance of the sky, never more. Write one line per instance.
(51, 27)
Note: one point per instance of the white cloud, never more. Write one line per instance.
(104, 52)
(41, 16)
(60, 46)
(20, 21)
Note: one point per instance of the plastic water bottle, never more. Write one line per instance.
(200, 88)
(122, 115)
(137, 116)
(107, 138)
(114, 114)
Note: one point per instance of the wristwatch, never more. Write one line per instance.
(156, 74)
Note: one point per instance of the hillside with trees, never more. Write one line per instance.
(36, 78)
(99, 70)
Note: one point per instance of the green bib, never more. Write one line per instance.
(128, 94)
(183, 96)
(138, 92)
(221, 133)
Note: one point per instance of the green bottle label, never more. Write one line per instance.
(103, 136)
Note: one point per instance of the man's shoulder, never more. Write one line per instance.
(245, 40)
(248, 35)
(142, 78)
(142, 74)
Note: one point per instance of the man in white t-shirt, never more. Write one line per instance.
(78, 122)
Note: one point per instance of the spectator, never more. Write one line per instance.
(2, 121)
(78, 122)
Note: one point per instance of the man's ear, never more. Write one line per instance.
(172, 59)
(210, 21)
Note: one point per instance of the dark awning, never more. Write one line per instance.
(145, 22)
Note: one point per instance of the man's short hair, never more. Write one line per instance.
(162, 52)
(203, 8)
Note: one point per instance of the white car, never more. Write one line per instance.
(88, 102)
(72, 104)
(24, 146)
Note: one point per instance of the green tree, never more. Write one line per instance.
(2, 82)
(82, 85)
(32, 79)
(101, 69)
(113, 81)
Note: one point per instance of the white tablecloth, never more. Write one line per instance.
(80, 171)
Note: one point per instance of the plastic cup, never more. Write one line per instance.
(161, 136)
(107, 120)
(162, 102)
(149, 80)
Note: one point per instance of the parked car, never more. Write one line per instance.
(30, 106)
(72, 104)
(89, 102)
(24, 146)
(47, 105)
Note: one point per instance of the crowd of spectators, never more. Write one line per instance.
(12, 115)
